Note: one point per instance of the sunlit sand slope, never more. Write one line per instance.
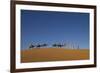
(53, 54)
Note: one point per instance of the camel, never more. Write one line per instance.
(58, 45)
(31, 46)
(41, 45)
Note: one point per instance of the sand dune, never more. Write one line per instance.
(53, 54)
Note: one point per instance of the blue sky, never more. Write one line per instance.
(51, 27)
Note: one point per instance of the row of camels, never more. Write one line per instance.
(54, 45)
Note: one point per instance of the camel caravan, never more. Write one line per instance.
(55, 45)
(37, 46)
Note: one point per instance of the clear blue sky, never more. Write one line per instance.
(50, 27)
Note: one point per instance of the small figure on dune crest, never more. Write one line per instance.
(78, 47)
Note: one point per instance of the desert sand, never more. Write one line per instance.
(53, 54)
